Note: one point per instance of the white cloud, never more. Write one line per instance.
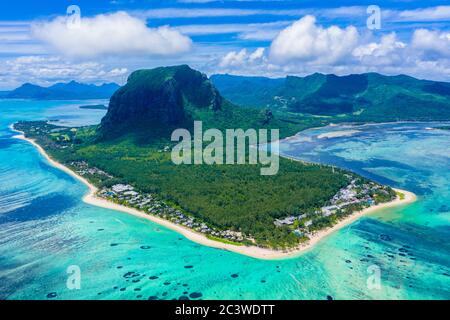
(438, 13)
(243, 62)
(433, 42)
(258, 35)
(387, 46)
(111, 34)
(214, 12)
(306, 41)
(242, 58)
(45, 70)
(304, 48)
(342, 12)
(257, 54)
(163, 13)
(247, 31)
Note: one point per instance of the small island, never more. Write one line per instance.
(126, 163)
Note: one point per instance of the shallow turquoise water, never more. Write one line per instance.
(45, 227)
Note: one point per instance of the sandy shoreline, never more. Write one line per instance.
(251, 251)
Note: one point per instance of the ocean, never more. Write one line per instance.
(46, 230)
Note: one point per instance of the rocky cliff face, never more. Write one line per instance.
(158, 98)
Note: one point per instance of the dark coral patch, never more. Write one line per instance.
(329, 297)
(195, 295)
(183, 298)
(131, 274)
(51, 295)
(188, 267)
(234, 275)
(153, 298)
(145, 247)
(385, 237)
(153, 277)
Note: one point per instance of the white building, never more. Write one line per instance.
(121, 188)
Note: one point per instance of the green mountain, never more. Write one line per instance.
(369, 96)
(132, 146)
(63, 91)
(158, 100)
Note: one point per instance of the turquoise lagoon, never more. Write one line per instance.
(45, 227)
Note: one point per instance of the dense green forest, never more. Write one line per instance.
(155, 102)
(232, 197)
(358, 97)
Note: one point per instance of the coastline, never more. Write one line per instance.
(251, 251)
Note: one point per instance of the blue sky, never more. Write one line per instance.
(270, 38)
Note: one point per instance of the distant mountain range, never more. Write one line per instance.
(164, 98)
(369, 96)
(63, 91)
(155, 102)
(170, 96)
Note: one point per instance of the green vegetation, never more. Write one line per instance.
(364, 97)
(132, 146)
(155, 102)
(228, 197)
(224, 240)
(63, 91)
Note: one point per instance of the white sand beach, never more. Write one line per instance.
(336, 134)
(251, 251)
